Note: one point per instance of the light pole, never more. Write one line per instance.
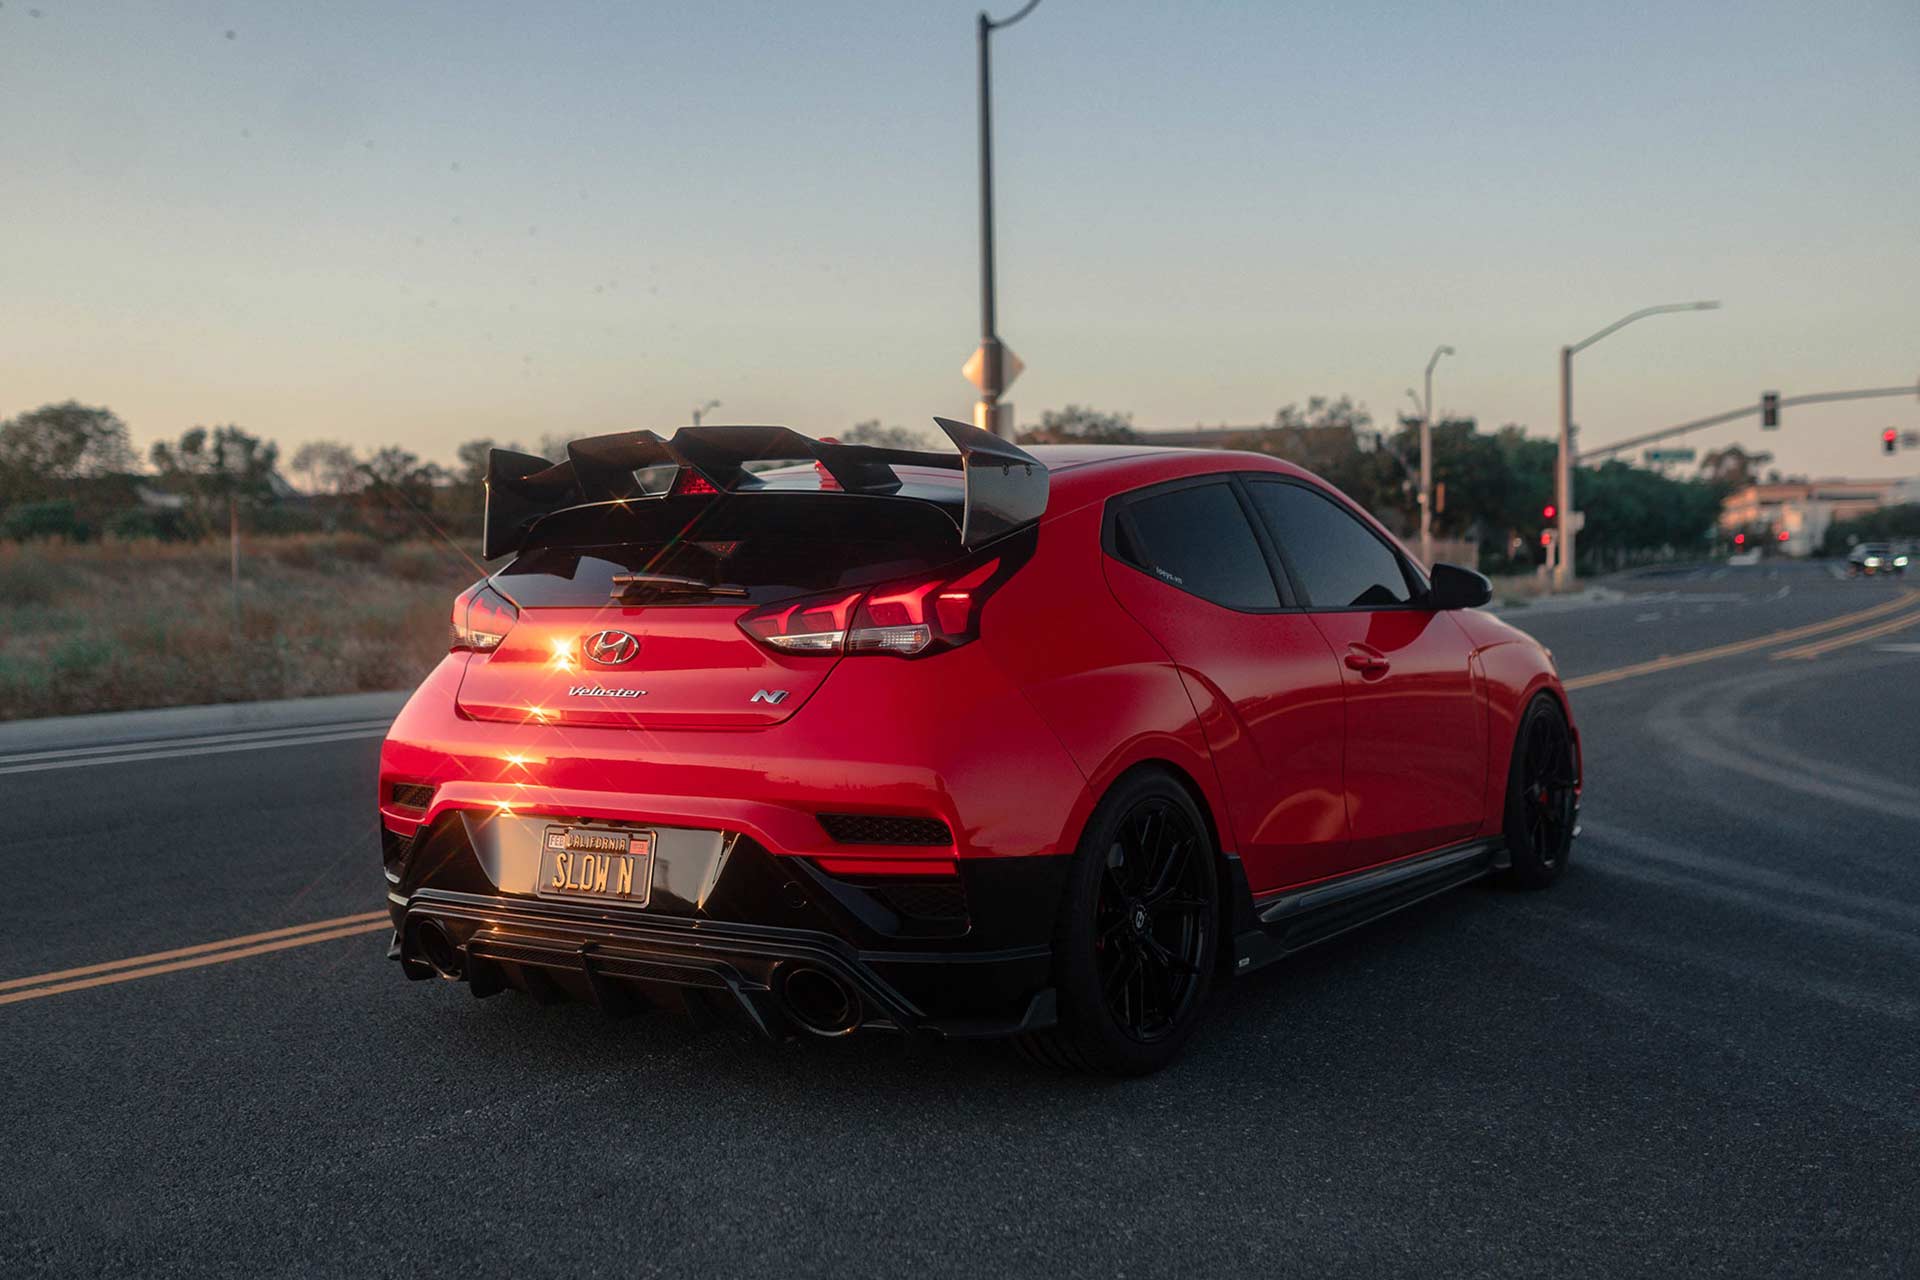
(1563, 468)
(1426, 462)
(992, 377)
(704, 410)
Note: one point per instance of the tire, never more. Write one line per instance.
(1542, 797)
(1138, 933)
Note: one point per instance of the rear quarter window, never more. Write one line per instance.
(1197, 539)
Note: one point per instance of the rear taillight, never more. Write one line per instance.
(481, 618)
(908, 618)
(815, 624)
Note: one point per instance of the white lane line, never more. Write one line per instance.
(192, 740)
(176, 753)
(1897, 648)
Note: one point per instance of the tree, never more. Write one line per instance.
(871, 432)
(1733, 467)
(1632, 509)
(327, 467)
(1335, 440)
(472, 462)
(213, 468)
(399, 495)
(60, 442)
(1077, 424)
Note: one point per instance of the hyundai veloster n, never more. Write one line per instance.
(994, 742)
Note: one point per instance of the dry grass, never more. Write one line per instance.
(116, 625)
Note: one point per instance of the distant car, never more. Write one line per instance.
(971, 743)
(1874, 559)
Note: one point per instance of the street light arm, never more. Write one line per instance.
(992, 25)
(1437, 353)
(1642, 314)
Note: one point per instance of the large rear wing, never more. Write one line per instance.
(1005, 486)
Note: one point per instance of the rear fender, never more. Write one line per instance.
(1096, 678)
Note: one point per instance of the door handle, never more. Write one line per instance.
(1368, 662)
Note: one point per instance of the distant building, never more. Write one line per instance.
(1804, 509)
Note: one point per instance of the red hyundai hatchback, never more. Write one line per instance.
(996, 742)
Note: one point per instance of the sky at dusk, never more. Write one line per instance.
(428, 222)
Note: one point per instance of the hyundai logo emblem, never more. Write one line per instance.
(610, 648)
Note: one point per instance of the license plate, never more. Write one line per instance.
(596, 862)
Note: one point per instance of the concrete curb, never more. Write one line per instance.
(162, 723)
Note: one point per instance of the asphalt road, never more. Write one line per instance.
(1700, 1053)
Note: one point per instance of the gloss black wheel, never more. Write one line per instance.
(1153, 916)
(1139, 929)
(1543, 792)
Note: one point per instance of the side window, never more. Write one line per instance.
(1334, 559)
(1198, 539)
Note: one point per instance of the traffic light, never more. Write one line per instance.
(1549, 511)
(1889, 440)
(1739, 539)
(1783, 535)
(1546, 537)
(1769, 410)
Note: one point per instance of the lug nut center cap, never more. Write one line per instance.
(1140, 919)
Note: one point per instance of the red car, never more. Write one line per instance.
(1040, 744)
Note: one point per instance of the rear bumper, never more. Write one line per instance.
(728, 928)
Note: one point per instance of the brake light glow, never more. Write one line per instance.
(689, 481)
(481, 619)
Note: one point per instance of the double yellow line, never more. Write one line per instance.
(1831, 643)
(1670, 662)
(61, 981)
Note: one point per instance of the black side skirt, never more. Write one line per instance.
(1298, 918)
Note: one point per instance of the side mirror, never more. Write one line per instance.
(1457, 588)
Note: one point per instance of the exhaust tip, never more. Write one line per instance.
(820, 1001)
(432, 943)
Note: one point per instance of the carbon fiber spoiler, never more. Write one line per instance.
(1005, 486)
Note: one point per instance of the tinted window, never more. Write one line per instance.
(1198, 539)
(1337, 561)
(774, 544)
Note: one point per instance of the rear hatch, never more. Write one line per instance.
(589, 649)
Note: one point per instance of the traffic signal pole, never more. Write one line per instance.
(1563, 475)
(1563, 573)
(1748, 411)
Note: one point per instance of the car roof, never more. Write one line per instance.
(1084, 473)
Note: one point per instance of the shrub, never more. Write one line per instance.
(139, 524)
(42, 520)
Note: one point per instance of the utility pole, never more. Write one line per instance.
(992, 367)
(1563, 573)
(233, 555)
(1426, 462)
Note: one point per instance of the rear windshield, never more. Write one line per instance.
(774, 545)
